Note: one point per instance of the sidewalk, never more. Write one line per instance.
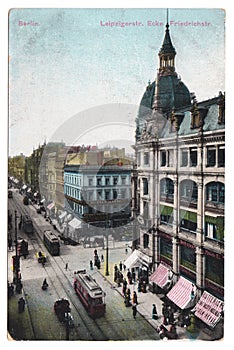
(145, 303)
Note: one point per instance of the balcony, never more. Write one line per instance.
(217, 208)
(167, 198)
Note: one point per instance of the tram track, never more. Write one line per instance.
(90, 327)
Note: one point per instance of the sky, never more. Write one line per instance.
(67, 61)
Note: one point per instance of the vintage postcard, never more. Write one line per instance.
(116, 174)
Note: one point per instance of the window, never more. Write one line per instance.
(146, 240)
(107, 181)
(184, 158)
(166, 214)
(115, 194)
(211, 155)
(214, 269)
(107, 195)
(123, 194)
(145, 210)
(90, 195)
(99, 195)
(115, 180)
(221, 156)
(188, 220)
(163, 158)
(145, 186)
(123, 180)
(90, 181)
(215, 192)
(146, 158)
(193, 157)
(99, 181)
(171, 158)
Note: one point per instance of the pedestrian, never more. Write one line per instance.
(133, 276)
(134, 298)
(124, 267)
(124, 286)
(134, 310)
(91, 265)
(120, 266)
(66, 266)
(10, 243)
(102, 258)
(154, 313)
(21, 304)
(126, 250)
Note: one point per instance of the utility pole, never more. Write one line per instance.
(107, 247)
(16, 258)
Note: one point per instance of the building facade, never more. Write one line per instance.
(179, 180)
(97, 187)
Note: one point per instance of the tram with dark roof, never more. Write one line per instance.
(51, 242)
(90, 294)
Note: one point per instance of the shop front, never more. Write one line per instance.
(209, 309)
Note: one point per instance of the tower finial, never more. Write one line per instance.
(167, 16)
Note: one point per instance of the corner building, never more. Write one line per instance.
(179, 181)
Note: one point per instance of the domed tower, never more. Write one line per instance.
(167, 92)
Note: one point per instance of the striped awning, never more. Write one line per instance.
(160, 276)
(183, 293)
(209, 309)
(137, 259)
(50, 206)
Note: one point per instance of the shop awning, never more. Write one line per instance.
(183, 293)
(62, 215)
(209, 309)
(69, 217)
(50, 206)
(137, 259)
(161, 275)
(75, 223)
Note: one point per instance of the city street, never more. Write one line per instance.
(118, 322)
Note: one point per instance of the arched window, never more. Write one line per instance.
(188, 190)
(166, 189)
(215, 192)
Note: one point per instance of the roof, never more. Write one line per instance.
(167, 46)
(160, 276)
(181, 295)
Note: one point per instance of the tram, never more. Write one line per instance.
(90, 294)
(27, 224)
(51, 242)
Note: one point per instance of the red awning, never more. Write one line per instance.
(209, 309)
(160, 276)
(183, 293)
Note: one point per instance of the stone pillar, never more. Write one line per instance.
(200, 278)
(176, 208)
(175, 250)
(200, 212)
